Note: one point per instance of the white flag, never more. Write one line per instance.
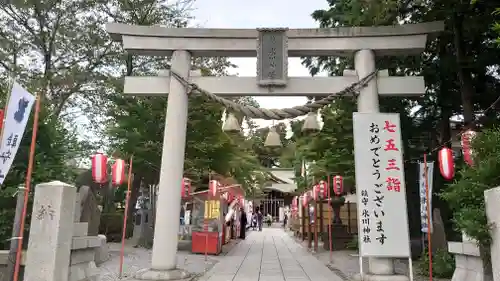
(18, 112)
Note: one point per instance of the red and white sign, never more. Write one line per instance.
(118, 172)
(446, 164)
(213, 188)
(186, 188)
(99, 168)
(466, 141)
(338, 185)
(380, 185)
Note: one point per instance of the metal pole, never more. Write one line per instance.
(14, 240)
(29, 172)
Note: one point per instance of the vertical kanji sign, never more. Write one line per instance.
(380, 184)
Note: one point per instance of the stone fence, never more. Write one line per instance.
(469, 260)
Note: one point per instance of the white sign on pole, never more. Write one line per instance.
(17, 115)
(380, 185)
(423, 194)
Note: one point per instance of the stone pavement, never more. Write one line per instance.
(139, 258)
(270, 255)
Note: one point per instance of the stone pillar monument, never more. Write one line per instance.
(51, 232)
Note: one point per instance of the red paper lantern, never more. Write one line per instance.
(118, 172)
(315, 192)
(466, 141)
(324, 191)
(305, 199)
(99, 168)
(186, 188)
(213, 188)
(338, 185)
(241, 201)
(446, 165)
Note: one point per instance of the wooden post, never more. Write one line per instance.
(321, 222)
(303, 223)
(316, 225)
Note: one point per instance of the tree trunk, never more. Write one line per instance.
(463, 71)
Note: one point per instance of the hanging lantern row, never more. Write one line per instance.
(186, 188)
(99, 163)
(445, 155)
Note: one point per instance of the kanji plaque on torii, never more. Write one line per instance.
(272, 57)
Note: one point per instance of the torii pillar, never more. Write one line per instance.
(272, 48)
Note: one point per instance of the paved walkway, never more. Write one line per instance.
(270, 255)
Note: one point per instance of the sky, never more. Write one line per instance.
(255, 14)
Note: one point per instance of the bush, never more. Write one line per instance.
(443, 264)
(465, 196)
(111, 225)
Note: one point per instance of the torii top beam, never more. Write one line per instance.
(409, 39)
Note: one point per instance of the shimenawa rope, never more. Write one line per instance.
(276, 114)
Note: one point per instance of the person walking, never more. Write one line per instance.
(285, 220)
(260, 219)
(243, 224)
(254, 221)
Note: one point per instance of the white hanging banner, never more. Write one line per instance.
(380, 185)
(18, 112)
(423, 194)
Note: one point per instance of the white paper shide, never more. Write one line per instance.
(380, 185)
(18, 112)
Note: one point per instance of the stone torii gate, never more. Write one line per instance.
(272, 47)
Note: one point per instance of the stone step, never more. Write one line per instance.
(85, 242)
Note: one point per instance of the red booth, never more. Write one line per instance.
(214, 209)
